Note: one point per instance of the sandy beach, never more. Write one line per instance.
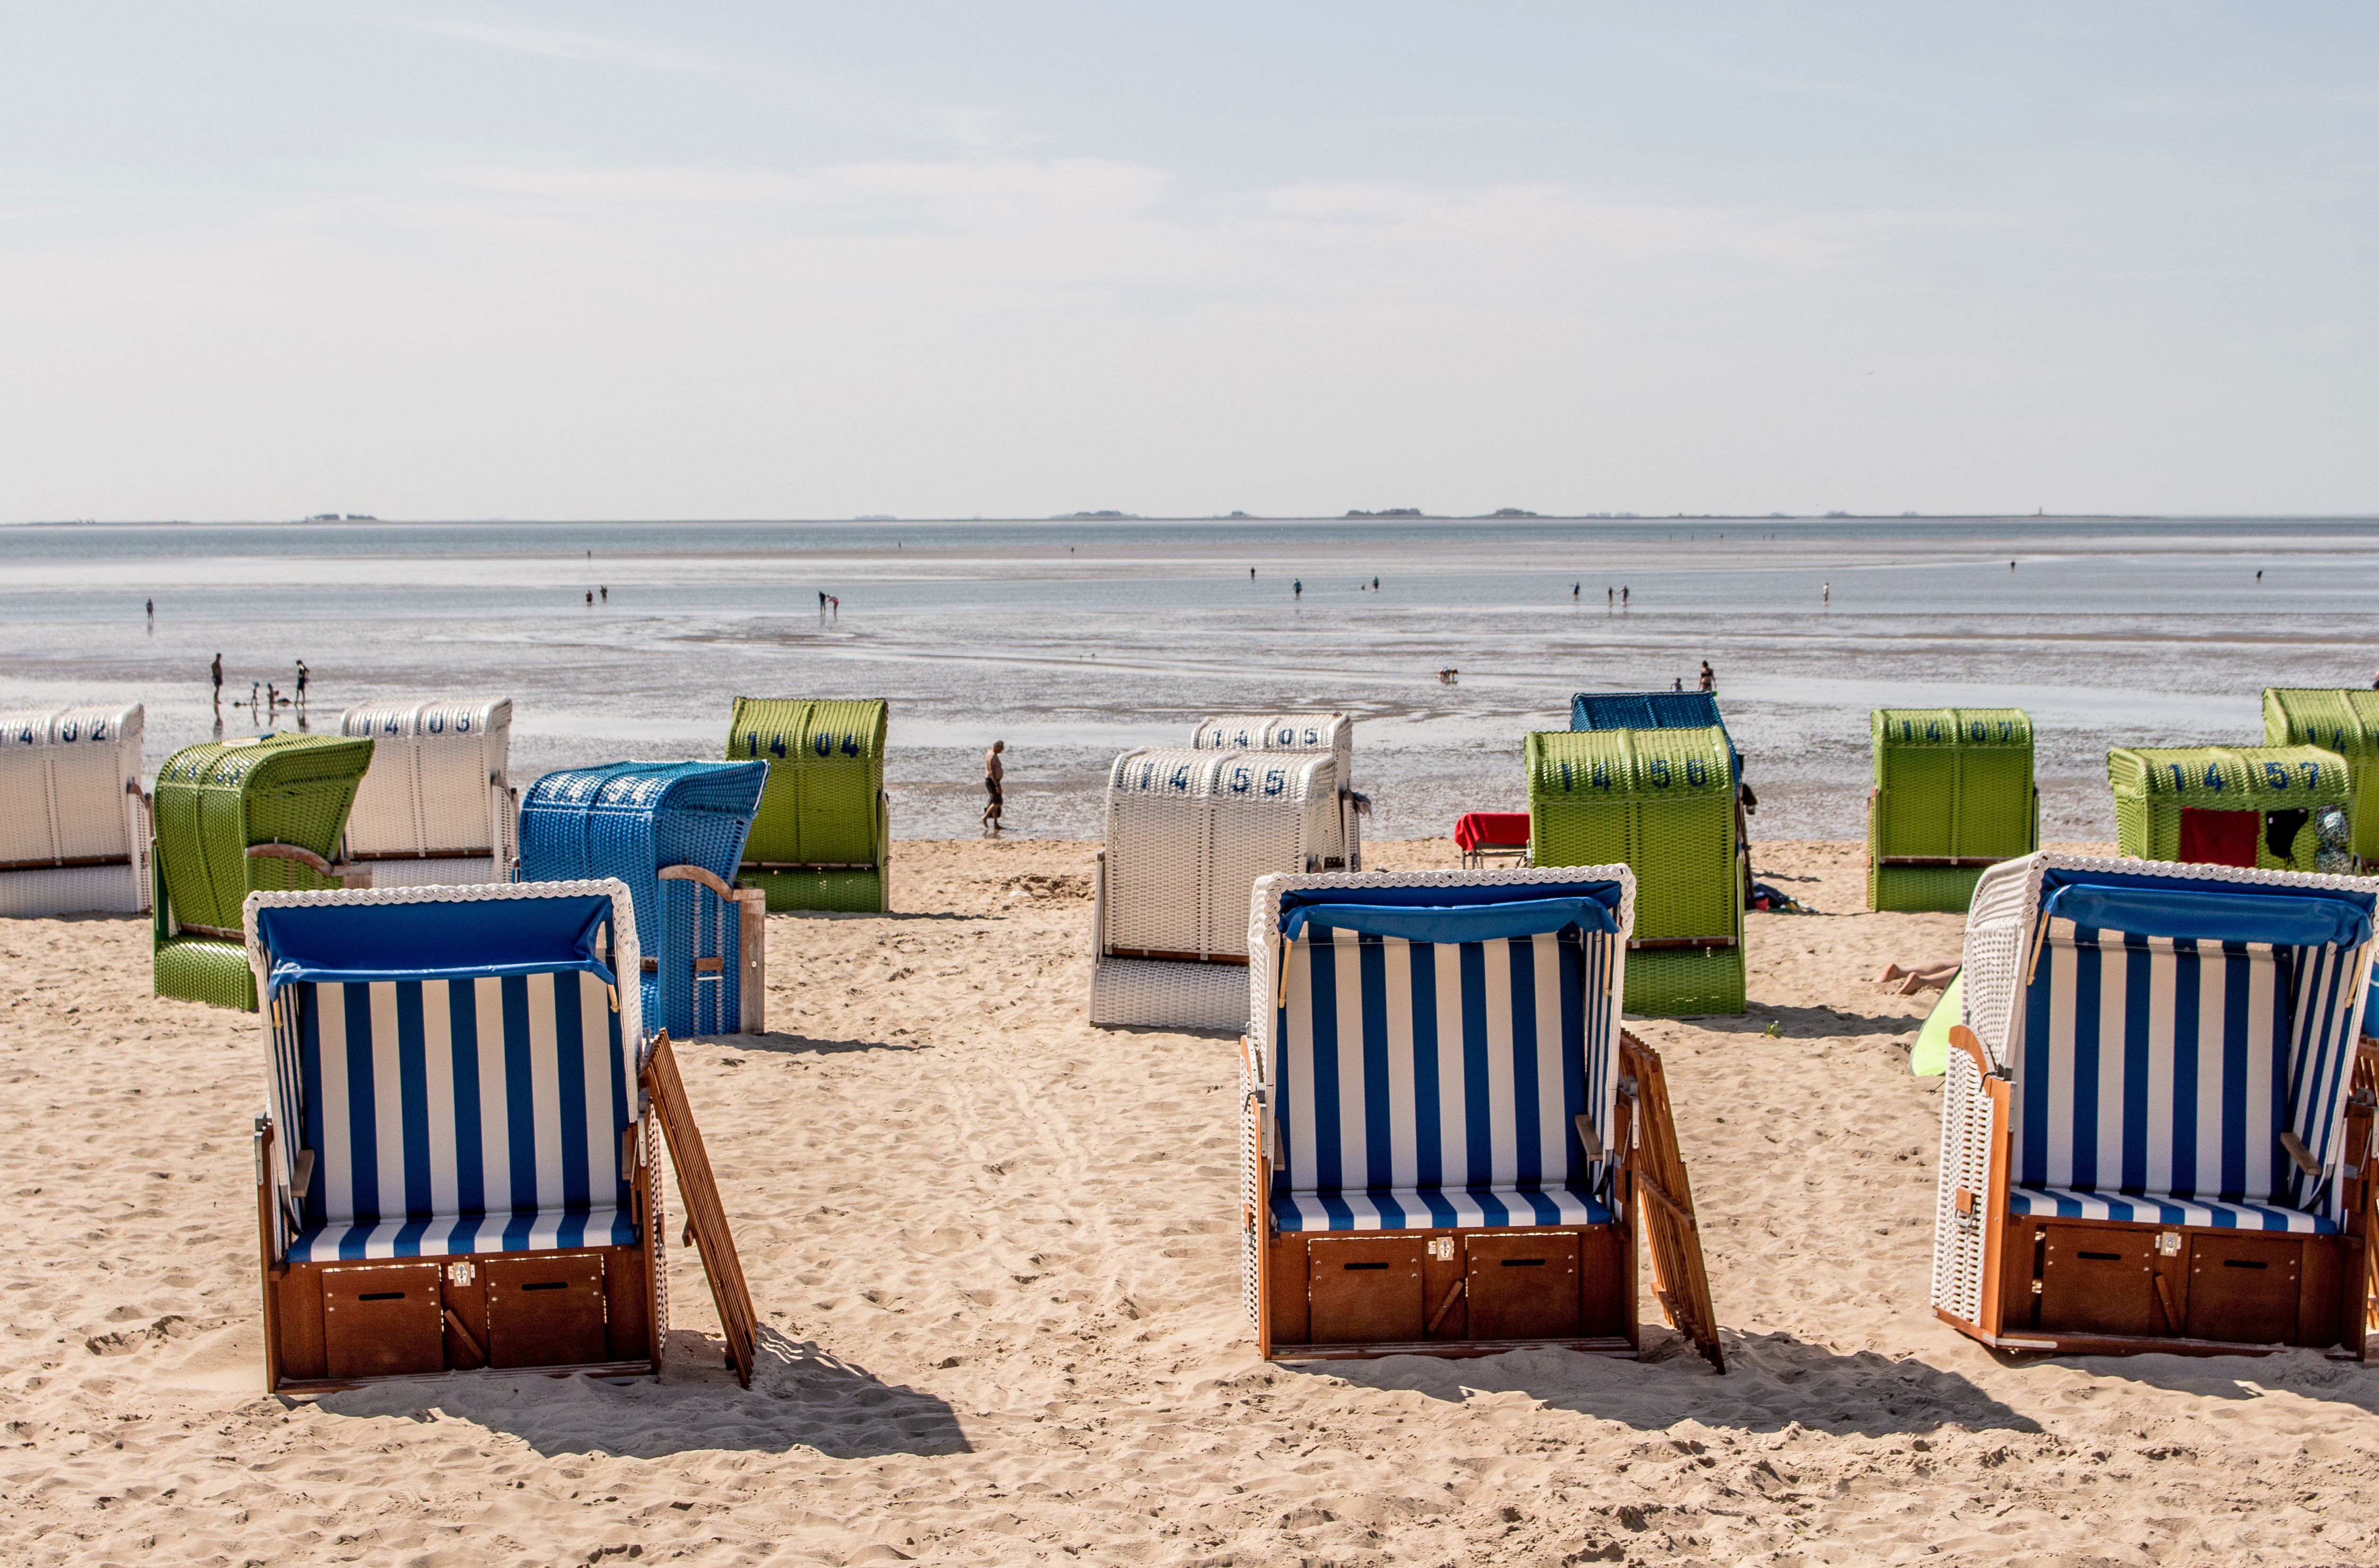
(993, 1252)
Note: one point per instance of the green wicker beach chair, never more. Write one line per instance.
(236, 817)
(1953, 793)
(823, 838)
(2225, 805)
(2347, 723)
(1661, 801)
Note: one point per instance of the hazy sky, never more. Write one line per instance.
(715, 259)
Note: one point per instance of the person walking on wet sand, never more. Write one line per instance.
(1709, 677)
(217, 668)
(993, 773)
(301, 683)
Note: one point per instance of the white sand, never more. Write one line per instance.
(994, 1252)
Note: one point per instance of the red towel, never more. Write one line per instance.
(1491, 829)
(2219, 838)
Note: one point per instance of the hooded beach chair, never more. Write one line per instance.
(2346, 722)
(2152, 1137)
(1953, 793)
(1449, 1144)
(1188, 833)
(823, 838)
(2251, 806)
(1663, 802)
(437, 806)
(264, 813)
(1332, 732)
(457, 1168)
(74, 826)
(674, 832)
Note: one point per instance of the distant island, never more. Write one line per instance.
(1389, 511)
(1511, 512)
(350, 517)
(1108, 514)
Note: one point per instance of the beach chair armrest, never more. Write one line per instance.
(2301, 1154)
(1589, 1135)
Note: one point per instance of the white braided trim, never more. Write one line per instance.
(1264, 927)
(627, 962)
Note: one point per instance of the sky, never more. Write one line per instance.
(260, 258)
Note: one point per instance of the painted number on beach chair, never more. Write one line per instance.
(438, 724)
(1696, 771)
(1275, 781)
(2312, 773)
(1240, 780)
(67, 731)
(1656, 773)
(2276, 774)
(850, 745)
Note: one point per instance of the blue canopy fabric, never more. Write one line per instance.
(1454, 914)
(431, 940)
(2284, 917)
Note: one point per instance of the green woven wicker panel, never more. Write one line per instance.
(2151, 785)
(200, 968)
(213, 801)
(824, 802)
(1919, 889)
(838, 892)
(2345, 721)
(1954, 782)
(1685, 983)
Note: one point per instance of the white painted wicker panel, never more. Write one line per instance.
(1159, 830)
(1272, 813)
(1333, 732)
(468, 871)
(80, 889)
(1965, 1162)
(436, 784)
(1154, 993)
(70, 782)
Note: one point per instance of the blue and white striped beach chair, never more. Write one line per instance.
(456, 1166)
(1445, 1125)
(2147, 1139)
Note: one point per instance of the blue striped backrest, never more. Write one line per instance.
(2155, 1064)
(1404, 1063)
(426, 1097)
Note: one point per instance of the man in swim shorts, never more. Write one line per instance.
(992, 775)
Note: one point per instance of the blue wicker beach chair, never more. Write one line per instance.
(2149, 1136)
(674, 832)
(456, 1167)
(1445, 1128)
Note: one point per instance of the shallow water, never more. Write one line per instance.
(1073, 640)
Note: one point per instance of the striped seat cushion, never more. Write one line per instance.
(1414, 1079)
(2065, 1203)
(454, 1117)
(454, 1235)
(1427, 1208)
(2159, 1074)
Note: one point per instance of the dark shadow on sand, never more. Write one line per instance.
(800, 1397)
(1772, 1382)
(785, 1045)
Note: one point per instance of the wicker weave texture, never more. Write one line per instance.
(438, 785)
(824, 805)
(2152, 786)
(69, 793)
(2347, 723)
(1332, 732)
(1155, 994)
(1950, 783)
(201, 968)
(215, 800)
(1189, 832)
(833, 892)
(629, 820)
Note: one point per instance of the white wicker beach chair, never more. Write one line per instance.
(1444, 1128)
(1188, 834)
(74, 826)
(1332, 732)
(2155, 1131)
(437, 806)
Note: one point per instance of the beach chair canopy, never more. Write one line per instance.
(2346, 722)
(1432, 1041)
(2249, 806)
(1189, 832)
(436, 786)
(2168, 1035)
(1332, 732)
(1651, 710)
(454, 1069)
(70, 787)
(217, 800)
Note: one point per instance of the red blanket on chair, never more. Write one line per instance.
(1494, 830)
(2219, 838)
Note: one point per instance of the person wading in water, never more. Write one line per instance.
(993, 773)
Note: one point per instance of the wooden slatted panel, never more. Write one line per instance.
(706, 1217)
(1665, 1206)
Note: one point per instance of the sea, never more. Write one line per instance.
(1075, 639)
